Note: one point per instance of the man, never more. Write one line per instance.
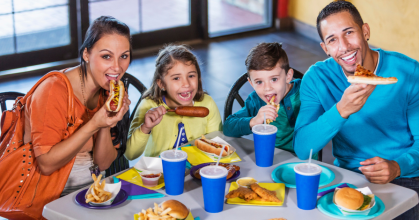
(374, 129)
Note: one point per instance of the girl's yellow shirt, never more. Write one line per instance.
(163, 136)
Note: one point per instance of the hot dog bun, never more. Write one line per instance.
(209, 146)
(116, 95)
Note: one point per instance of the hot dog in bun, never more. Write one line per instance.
(116, 95)
(212, 147)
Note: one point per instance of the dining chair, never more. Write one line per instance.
(121, 163)
(233, 95)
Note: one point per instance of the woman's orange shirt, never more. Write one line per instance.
(45, 115)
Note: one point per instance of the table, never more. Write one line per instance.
(397, 199)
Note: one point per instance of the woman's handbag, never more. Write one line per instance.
(24, 191)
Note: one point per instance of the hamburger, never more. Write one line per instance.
(178, 209)
(352, 199)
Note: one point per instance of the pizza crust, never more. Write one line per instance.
(365, 76)
(372, 80)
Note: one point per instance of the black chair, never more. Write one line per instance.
(234, 95)
(121, 163)
(8, 96)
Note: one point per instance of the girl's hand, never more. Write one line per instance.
(152, 118)
(104, 119)
(270, 112)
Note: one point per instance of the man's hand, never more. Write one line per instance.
(268, 110)
(379, 170)
(354, 98)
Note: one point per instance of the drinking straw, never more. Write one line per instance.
(219, 156)
(177, 143)
(309, 159)
(264, 120)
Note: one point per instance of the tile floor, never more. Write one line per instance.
(222, 62)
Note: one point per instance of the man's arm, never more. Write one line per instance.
(381, 171)
(315, 127)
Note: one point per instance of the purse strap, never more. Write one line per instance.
(70, 111)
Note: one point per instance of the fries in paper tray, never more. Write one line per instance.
(102, 193)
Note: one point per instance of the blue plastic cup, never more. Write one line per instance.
(214, 179)
(264, 140)
(174, 166)
(307, 178)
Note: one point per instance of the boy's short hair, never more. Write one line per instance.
(265, 56)
(336, 7)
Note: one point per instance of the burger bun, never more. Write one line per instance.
(349, 198)
(179, 210)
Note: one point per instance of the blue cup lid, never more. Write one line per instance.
(307, 169)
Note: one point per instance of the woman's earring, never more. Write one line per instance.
(87, 61)
(162, 89)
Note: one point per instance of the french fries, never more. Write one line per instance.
(272, 102)
(155, 214)
(97, 193)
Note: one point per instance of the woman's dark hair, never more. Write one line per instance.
(336, 7)
(99, 28)
(166, 59)
(265, 56)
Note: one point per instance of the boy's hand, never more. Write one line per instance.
(270, 112)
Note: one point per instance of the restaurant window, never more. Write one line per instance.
(143, 15)
(235, 16)
(28, 25)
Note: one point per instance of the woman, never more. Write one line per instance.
(105, 55)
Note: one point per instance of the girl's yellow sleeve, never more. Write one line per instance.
(137, 140)
(214, 117)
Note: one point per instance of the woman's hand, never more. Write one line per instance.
(152, 118)
(104, 118)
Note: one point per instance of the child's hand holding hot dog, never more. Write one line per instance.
(152, 118)
(270, 112)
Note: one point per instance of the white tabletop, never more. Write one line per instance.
(397, 199)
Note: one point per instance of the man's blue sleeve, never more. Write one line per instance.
(238, 124)
(408, 161)
(315, 127)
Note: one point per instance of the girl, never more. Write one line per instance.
(176, 82)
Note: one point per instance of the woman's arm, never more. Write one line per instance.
(104, 152)
(63, 152)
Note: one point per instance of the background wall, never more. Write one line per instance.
(394, 24)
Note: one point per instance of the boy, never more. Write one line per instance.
(270, 75)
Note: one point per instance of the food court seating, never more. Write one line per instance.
(234, 95)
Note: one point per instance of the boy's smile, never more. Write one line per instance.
(268, 83)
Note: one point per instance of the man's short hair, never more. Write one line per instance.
(336, 7)
(265, 56)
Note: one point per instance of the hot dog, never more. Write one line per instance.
(232, 169)
(116, 95)
(212, 146)
(191, 111)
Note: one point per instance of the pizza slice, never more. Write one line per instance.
(272, 102)
(365, 76)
